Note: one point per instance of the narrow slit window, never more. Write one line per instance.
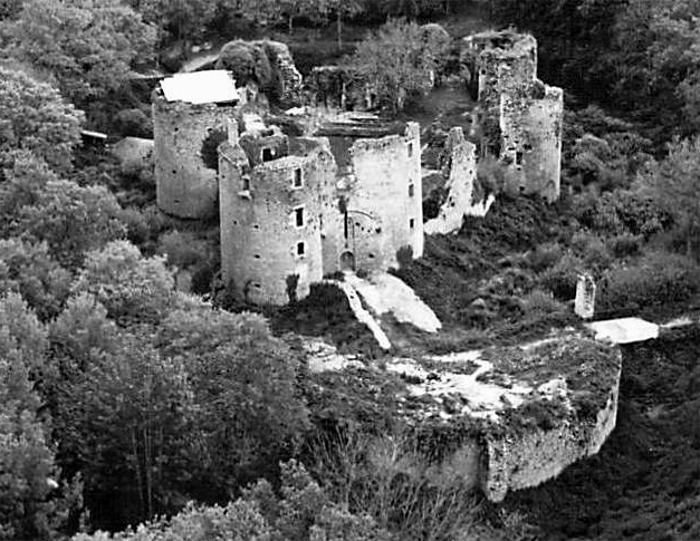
(301, 248)
(298, 178)
(411, 190)
(299, 217)
(519, 157)
(411, 223)
(410, 150)
(246, 183)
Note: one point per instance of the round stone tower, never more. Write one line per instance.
(271, 220)
(189, 122)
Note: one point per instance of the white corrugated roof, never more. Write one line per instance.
(213, 86)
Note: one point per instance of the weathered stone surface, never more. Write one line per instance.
(357, 202)
(624, 330)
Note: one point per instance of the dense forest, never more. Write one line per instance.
(130, 405)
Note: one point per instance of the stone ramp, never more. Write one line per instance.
(381, 294)
(384, 294)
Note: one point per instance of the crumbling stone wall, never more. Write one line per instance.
(270, 225)
(520, 116)
(185, 186)
(461, 173)
(529, 459)
(531, 140)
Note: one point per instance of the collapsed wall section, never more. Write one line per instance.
(271, 222)
(186, 182)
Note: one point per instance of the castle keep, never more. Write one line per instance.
(294, 209)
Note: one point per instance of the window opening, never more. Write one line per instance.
(301, 248)
(299, 217)
(298, 178)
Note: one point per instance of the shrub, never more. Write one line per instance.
(541, 301)
(657, 278)
(592, 250)
(544, 256)
(561, 279)
(625, 245)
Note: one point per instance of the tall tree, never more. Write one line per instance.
(89, 46)
(397, 60)
(35, 118)
(342, 9)
(674, 184)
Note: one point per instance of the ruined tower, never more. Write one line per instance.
(379, 192)
(520, 117)
(191, 112)
(272, 201)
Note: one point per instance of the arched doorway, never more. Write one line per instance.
(347, 261)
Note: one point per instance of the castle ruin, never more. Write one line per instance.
(348, 194)
(294, 209)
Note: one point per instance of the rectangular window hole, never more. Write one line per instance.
(298, 178)
(299, 217)
(301, 248)
(267, 154)
(411, 190)
(411, 223)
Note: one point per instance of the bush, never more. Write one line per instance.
(657, 278)
(593, 250)
(544, 256)
(541, 301)
(561, 279)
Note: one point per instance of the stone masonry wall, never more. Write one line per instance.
(513, 463)
(384, 199)
(531, 130)
(459, 186)
(185, 186)
(264, 239)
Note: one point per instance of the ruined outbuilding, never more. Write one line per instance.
(294, 209)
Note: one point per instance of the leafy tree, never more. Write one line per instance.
(180, 20)
(30, 270)
(397, 61)
(34, 117)
(342, 10)
(124, 423)
(132, 288)
(71, 219)
(303, 512)
(674, 184)
(89, 46)
(245, 381)
(31, 504)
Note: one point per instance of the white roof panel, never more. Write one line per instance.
(213, 86)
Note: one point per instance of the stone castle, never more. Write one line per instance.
(339, 190)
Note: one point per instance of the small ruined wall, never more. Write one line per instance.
(517, 462)
(288, 77)
(185, 186)
(531, 130)
(459, 186)
(260, 237)
(385, 198)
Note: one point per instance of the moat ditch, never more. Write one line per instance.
(644, 485)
